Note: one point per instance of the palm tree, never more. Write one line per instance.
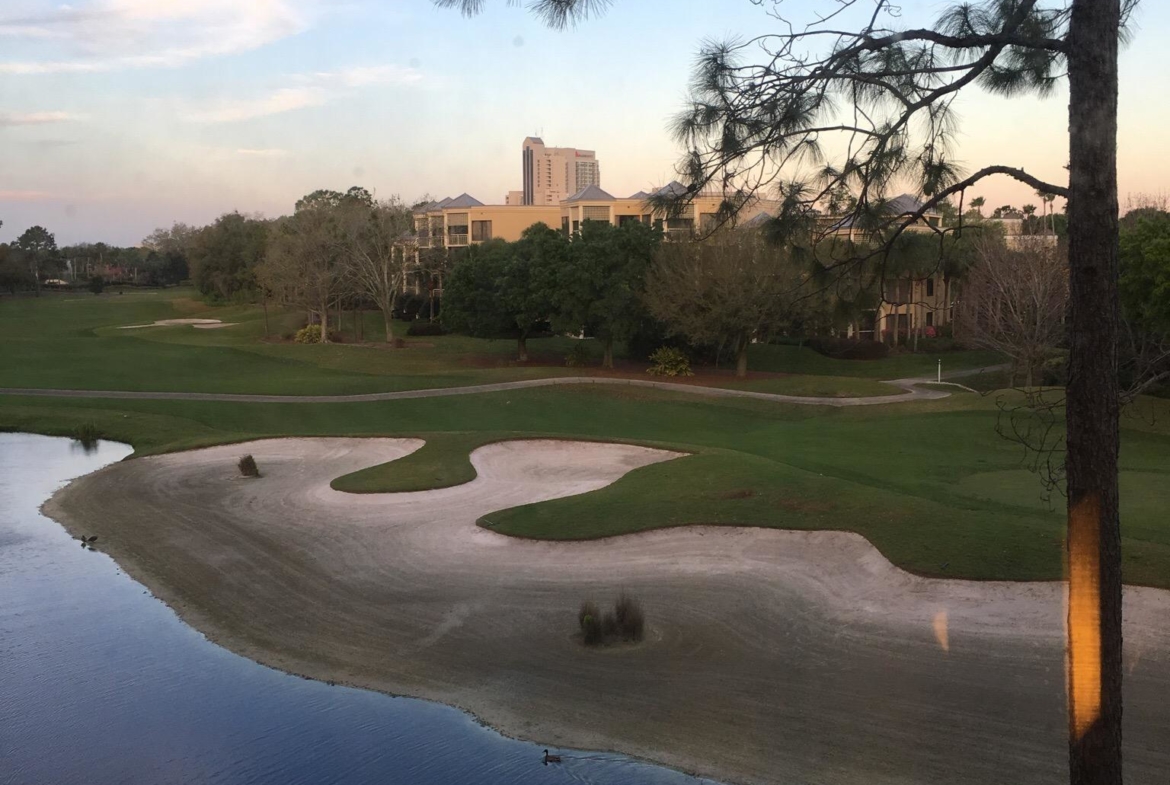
(1048, 200)
(977, 205)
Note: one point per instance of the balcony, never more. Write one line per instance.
(454, 240)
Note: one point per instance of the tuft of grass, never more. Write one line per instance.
(248, 467)
(87, 433)
(626, 622)
(589, 619)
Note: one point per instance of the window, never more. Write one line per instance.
(481, 231)
(576, 226)
(930, 318)
(708, 222)
(565, 224)
(930, 287)
(680, 223)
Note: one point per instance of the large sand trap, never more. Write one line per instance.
(771, 656)
(198, 324)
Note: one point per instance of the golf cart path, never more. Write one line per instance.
(911, 392)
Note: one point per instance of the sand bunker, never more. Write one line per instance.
(198, 324)
(771, 656)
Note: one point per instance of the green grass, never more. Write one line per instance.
(794, 359)
(75, 341)
(443, 462)
(930, 484)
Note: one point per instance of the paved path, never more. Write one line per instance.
(911, 392)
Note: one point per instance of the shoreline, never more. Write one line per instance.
(501, 677)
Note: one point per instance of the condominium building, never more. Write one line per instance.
(549, 175)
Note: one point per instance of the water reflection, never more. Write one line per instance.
(101, 683)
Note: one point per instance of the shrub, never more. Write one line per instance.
(577, 356)
(629, 620)
(87, 433)
(1054, 371)
(248, 467)
(668, 361)
(309, 334)
(848, 348)
(97, 284)
(626, 622)
(426, 328)
(407, 307)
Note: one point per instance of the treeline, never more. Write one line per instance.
(624, 283)
(34, 260)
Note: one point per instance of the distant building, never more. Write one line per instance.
(549, 175)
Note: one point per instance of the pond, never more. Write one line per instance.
(101, 683)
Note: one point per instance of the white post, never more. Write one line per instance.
(940, 371)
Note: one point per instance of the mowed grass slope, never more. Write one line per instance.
(75, 341)
(930, 484)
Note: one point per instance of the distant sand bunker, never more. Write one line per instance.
(198, 324)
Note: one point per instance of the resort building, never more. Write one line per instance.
(909, 306)
(464, 220)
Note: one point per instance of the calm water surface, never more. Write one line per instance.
(101, 683)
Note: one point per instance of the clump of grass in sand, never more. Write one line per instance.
(625, 623)
(248, 467)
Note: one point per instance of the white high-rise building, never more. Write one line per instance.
(551, 174)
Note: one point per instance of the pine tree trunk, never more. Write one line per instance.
(1092, 399)
(607, 358)
(522, 348)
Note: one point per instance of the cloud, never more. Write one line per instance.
(24, 196)
(313, 89)
(263, 152)
(8, 120)
(159, 33)
(284, 100)
(360, 76)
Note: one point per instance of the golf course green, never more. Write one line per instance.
(930, 483)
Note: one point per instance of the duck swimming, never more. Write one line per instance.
(551, 758)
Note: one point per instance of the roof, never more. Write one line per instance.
(899, 206)
(904, 204)
(673, 188)
(591, 193)
(759, 219)
(463, 200)
(431, 207)
(640, 195)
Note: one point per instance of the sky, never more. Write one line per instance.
(119, 116)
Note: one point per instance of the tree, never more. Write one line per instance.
(1145, 297)
(37, 248)
(96, 284)
(500, 288)
(725, 290)
(173, 249)
(14, 273)
(374, 247)
(224, 255)
(601, 287)
(858, 97)
(1014, 302)
(977, 205)
(302, 265)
